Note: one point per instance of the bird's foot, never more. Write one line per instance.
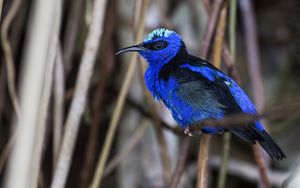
(192, 132)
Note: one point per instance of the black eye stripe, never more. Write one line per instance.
(156, 45)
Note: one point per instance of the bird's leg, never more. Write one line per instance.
(190, 132)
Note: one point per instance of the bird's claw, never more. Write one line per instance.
(191, 133)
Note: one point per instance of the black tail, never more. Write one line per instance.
(250, 134)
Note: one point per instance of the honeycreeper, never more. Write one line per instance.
(195, 90)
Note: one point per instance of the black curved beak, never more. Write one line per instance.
(134, 48)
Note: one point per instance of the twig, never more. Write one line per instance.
(261, 165)
(209, 32)
(79, 100)
(2, 91)
(59, 90)
(202, 175)
(162, 145)
(236, 119)
(228, 57)
(122, 155)
(38, 42)
(243, 170)
(255, 76)
(70, 34)
(227, 136)
(232, 27)
(7, 149)
(180, 163)
(1, 5)
(248, 171)
(105, 69)
(219, 38)
(224, 160)
(229, 63)
(120, 102)
(8, 54)
(253, 53)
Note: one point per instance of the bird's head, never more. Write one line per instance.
(159, 47)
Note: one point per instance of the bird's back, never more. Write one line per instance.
(190, 94)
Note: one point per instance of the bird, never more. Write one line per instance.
(195, 90)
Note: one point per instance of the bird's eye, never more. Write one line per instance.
(159, 45)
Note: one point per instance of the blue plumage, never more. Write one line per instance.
(194, 90)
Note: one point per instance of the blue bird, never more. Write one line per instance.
(195, 90)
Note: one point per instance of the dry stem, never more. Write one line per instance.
(79, 100)
(120, 102)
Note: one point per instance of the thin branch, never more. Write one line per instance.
(255, 77)
(219, 38)
(8, 54)
(209, 32)
(261, 165)
(79, 100)
(229, 63)
(120, 102)
(2, 90)
(236, 119)
(130, 145)
(227, 136)
(232, 27)
(224, 158)
(7, 149)
(59, 90)
(202, 174)
(105, 69)
(1, 5)
(243, 170)
(70, 34)
(248, 171)
(181, 162)
(253, 53)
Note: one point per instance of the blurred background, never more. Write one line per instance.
(72, 114)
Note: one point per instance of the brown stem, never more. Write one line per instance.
(261, 165)
(202, 181)
(59, 90)
(105, 70)
(253, 58)
(120, 102)
(8, 54)
(70, 34)
(80, 95)
(210, 29)
(181, 162)
(202, 175)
